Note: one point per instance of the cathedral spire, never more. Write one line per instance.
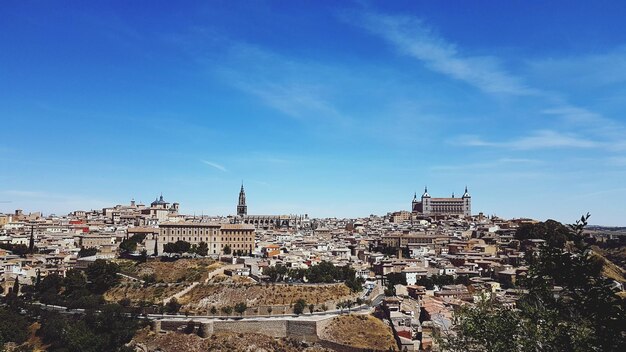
(242, 208)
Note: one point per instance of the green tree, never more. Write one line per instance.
(227, 310)
(102, 275)
(13, 326)
(31, 241)
(149, 278)
(51, 283)
(105, 330)
(87, 252)
(226, 250)
(486, 327)
(128, 246)
(241, 308)
(553, 232)
(311, 308)
(298, 307)
(170, 248)
(177, 247)
(16, 287)
(585, 315)
(74, 281)
(17, 249)
(203, 249)
(355, 284)
(172, 306)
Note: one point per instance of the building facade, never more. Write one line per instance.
(452, 206)
(239, 237)
(267, 221)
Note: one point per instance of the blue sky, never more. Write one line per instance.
(321, 107)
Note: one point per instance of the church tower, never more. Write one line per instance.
(242, 208)
(467, 203)
(426, 203)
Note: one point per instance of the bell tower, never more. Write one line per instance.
(242, 208)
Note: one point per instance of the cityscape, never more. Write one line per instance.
(412, 269)
(267, 176)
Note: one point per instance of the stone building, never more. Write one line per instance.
(160, 209)
(429, 206)
(237, 236)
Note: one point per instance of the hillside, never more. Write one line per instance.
(361, 331)
(137, 292)
(610, 269)
(147, 341)
(182, 270)
(202, 297)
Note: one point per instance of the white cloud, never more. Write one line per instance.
(541, 139)
(610, 131)
(587, 71)
(214, 165)
(299, 89)
(411, 36)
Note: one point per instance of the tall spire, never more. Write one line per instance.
(242, 208)
(466, 194)
(425, 192)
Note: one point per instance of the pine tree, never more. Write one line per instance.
(31, 244)
(16, 287)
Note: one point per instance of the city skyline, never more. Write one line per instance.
(333, 110)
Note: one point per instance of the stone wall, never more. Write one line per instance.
(301, 330)
(273, 328)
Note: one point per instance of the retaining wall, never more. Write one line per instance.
(296, 329)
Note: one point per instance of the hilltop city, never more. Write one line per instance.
(401, 275)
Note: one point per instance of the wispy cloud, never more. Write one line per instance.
(297, 89)
(214, 165)
(593, 70)
(610, 131)
(541, 139)
(488, 164)
(412, 36)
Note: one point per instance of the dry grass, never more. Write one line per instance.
(175, 342)
(182, 270)
(610, 270)
(202, 297)
(136, 292)
(360, 331)
(34, 341)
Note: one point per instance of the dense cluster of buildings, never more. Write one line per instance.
(445, 256)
